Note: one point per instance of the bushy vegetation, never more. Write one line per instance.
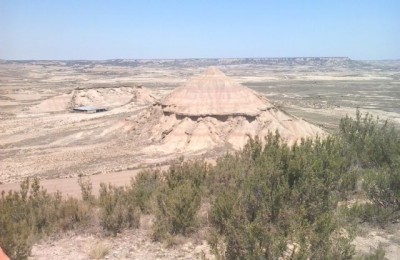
(32, 213)
(270, 196)
(118, 210)
(270, 200)
(369, 142)
(265, 202)
(178, 199)
(373, 148)
(143, 188)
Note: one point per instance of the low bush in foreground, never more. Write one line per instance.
(32, 213)
(178, 199)
(273, 200)
(118, 210)
(143, 188)
(374, 147)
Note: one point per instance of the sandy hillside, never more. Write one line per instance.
(48, 140)
(108, 97)
(212, 111)
(111, 96)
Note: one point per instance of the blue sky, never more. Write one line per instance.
(89, 29)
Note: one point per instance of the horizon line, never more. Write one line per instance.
(216, 58)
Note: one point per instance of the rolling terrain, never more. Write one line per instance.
(41, 136)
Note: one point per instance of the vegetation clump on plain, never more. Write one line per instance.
(31, 213)
(267, 201)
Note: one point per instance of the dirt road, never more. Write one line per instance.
(70, 186)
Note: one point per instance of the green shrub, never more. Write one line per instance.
(371, 213)
(369, 142)
(118, 210)
(31, 213)
(273, 200)
(143, 189)
(179, 199)
(86, 189)
(383, 194)
(383, 187)
(373, 147)
(16, 232)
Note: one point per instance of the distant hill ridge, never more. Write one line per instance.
(196, 61)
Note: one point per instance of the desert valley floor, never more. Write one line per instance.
(41, 136)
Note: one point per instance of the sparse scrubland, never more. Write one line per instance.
(267, 201)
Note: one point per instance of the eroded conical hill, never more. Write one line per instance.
(214, 94)
(213, 111)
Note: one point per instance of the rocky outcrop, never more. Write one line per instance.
(213, 111)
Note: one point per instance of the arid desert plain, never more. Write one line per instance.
(42, 136)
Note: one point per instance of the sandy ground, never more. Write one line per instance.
(69, 186)
(131, 244)
(371, 237)
(39, 136)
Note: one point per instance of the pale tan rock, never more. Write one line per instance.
(213, 93)
(211, 111)
(109, 97)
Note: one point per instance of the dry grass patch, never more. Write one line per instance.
(99, 250)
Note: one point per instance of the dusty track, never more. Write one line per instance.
(70, 186)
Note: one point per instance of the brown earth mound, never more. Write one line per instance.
(213, 111)
(109, 97)
(53, 104)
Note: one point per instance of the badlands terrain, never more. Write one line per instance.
(41, 136)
